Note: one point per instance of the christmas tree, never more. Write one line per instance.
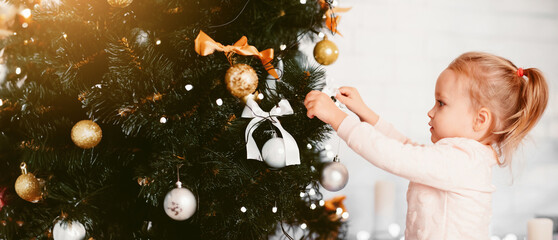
(112, 112)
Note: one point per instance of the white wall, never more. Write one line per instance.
(393, 51)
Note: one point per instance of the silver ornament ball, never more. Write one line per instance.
(68, 231)
(334, 176)
(180, 203)
(273, 153)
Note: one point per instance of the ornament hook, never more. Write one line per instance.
(178, 182)
(336, 158)
(23, 167)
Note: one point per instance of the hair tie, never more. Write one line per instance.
(520, 72)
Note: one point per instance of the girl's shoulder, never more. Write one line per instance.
(472, 147)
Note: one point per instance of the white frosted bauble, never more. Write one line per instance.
(334, 176)
(273, 153)
(68, 231)
(180, 204)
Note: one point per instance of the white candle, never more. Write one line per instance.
(384, 198)
(539, 229)
(384, 208)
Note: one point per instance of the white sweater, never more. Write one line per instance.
(450, 190)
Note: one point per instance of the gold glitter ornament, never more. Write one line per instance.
(120, 3)
(86, 134)
(27, 186)
(241, 80)
(326, 52)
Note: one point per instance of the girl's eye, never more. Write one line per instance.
(440, 103)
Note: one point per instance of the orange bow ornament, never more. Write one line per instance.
(332, 22)
(332, 205)
(205, 45)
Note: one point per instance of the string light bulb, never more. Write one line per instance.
(219, 102)
(163, 120)
(188, 87)
(26, 13)
(243, 209)
(339, 211)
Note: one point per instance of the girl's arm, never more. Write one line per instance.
(446, 165)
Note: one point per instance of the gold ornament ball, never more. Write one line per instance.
(120, 3)
(326, 52)
(241, 80)
(27, 187)
(86, 134)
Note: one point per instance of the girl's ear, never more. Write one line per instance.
(483, 120)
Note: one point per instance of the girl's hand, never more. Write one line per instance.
(319, 105)
(351, 98)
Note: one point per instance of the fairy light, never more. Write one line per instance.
(158, 42)
(1, 102)
(302, 1)
(339, 211)
(312, 206)
(330, 154)
(274, 209)
(283, 47)
(510, 236)
(25, 13)
(303, 226)
(260, 96)
(302, 194)
(18, 71)
(363, 235)
(219, 101)
(322, 203)
(25, 25)
(312, 192)
(394, 229)
(188, 87)
(163, 120)
(98, 86)
(321, 35)
(243, 209)
(345, 215)
(65, 36)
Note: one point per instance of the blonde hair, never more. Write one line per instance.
(516, 103)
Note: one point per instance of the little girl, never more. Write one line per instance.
(484, 107)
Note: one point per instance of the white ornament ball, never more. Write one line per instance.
(273, 153)
(68, 231)
(334, 176)
(180, 204)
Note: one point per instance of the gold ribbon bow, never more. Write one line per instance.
(205, 45)
(332, 22)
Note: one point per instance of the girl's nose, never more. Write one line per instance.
(431, 113)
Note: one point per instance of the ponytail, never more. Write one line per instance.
(533, 98)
